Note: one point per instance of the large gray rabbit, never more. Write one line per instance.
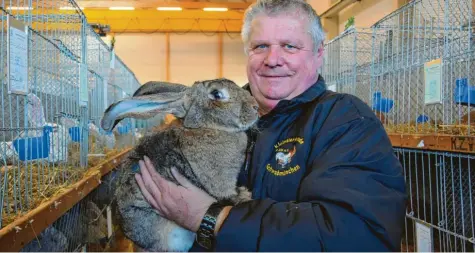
(208, 146)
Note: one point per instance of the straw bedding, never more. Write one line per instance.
(28, 184)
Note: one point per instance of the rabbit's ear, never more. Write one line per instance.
(155, 87)
(143, 107)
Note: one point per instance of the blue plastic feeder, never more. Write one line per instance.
(35, 147)
(462, 91)
(381, 104)
(75, 133)
(123, 129)
(422, 119)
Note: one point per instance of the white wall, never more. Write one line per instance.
(193, 56)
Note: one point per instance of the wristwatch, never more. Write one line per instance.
(205, 234)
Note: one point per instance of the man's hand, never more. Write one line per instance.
(185, 204)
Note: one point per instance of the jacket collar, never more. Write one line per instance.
(313, 92)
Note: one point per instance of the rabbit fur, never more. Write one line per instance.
(208, 146)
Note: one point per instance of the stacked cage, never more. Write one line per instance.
(440, 213)
(347, 63)
(422, 71)
(419, 81)
(40, 82)
(57, 79)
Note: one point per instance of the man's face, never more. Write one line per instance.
(281, 63)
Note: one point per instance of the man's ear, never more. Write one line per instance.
(321, 50)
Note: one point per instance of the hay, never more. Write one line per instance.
(30, 184)
(431, 129)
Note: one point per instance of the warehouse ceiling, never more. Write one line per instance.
(153, 4)
(155, 16)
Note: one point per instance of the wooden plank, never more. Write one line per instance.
(449, 143)
(16, 235)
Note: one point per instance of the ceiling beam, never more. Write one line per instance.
(336, 8)
(153, 21)
(153, 4)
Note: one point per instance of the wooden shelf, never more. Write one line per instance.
(449, 143)
(16, 235)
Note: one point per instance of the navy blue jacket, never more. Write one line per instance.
(324, 177)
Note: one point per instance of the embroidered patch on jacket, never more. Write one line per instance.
(284, 153)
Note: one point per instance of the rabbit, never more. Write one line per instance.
(207, 143)
(83, 224)
(50, 240)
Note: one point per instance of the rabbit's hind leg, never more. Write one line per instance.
(179, 239)
(142, 224)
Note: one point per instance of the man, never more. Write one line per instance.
(323, 173)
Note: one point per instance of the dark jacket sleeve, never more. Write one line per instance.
(351, 199)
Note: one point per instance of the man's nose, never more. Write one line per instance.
(273, 57)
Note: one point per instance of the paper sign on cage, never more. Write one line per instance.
(332, 87)
(104, 86)
(17, 54)
(424, 238)
(83, 85)
(433, 81)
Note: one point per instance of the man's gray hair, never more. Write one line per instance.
(279, 7)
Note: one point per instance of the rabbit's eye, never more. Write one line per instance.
(216, 94)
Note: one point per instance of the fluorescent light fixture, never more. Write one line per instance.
(169, 8)
(121, 8)
(19, 8)
(215, 9)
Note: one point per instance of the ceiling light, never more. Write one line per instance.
(169, 8)
(215, 9)
(121, 8)
(19, 8)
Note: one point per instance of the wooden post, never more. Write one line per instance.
(330, 25)
(399, 3)
(167, 56)
(220, 55)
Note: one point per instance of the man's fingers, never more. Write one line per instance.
(145, 192)
(159, 180)
(181, 179)
(149, 184)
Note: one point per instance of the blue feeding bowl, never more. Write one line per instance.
(75, 133)
(462, 91)
(381, 104)
(123, 129)
(422, 119)
(35, 147)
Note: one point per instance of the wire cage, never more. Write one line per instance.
(50, 133)
(347, 63)
(441, 205)
(422, 71)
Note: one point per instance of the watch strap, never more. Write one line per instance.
(205, 234)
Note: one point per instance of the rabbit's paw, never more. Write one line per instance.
(243, 195)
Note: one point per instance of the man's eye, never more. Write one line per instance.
(261, 46)
(289, 46)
